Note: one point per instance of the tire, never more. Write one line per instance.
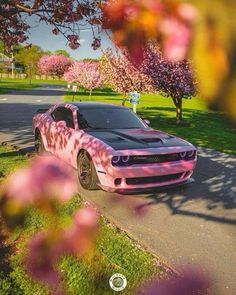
(38, 143)
(86, 172)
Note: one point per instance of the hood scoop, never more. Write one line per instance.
(113, 138)
(150, 140)
(136, 139)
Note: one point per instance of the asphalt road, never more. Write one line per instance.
(195, 224)
(18, 108)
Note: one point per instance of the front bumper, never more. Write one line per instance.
(137, 177)
(147, 190)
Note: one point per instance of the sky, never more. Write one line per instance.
(42, 36)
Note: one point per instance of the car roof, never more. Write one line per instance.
(95, 105)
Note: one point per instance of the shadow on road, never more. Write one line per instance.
(214, 189)
(211, 197)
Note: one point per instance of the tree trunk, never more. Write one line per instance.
(178, 105)
(30, 75)
(90, 92)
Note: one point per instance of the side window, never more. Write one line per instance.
(68, 118)
(57, 115)
(63, 114)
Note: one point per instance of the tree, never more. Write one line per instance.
(65, 17)
(154, 74)
(54, 65)
(86, 74)
(123, 76)
(62, 52)
(29, 56)
(134, 23)
(172, 79)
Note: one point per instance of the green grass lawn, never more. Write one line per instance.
(114, 251)
(7, 85)
(200, 126)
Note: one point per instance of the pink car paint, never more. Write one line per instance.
(66, 143)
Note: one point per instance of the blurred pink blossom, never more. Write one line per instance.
(177, 38)
(140, 209)
(177, 32)
(86, 218)
(83, 231)
(191, 282)
(45, 249)
(45, 178)
(41, 258)
(188, 12)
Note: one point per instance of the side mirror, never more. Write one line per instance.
(147, 122)
(61, 124)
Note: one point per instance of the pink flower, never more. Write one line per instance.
(191, 282)
(45, 249)
(55, 177)
(81, 235)
(96, 43)
(122, 75)
(85, 73)
(53, 64)
(188, 12)
(86, 218)
(55, 31)
(69, 76)
(41, 258)
(177, 37)
(20, 187)
(44, 179)
(140, 209)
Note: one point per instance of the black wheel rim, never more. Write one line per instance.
(85, 170)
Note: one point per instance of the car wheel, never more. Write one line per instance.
(86, 172)
(38, 143)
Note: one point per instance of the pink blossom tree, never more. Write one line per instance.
(54, 65)
(171, 79)
(123, 76)
(86, 74)
(156, 73)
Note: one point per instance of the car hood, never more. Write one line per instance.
(122, 139)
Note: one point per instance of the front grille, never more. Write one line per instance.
(153, 179)
(154, 159)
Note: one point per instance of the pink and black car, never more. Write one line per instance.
(112, 148)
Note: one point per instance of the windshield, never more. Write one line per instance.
(108, 118)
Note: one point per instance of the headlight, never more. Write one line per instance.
(190, 154)
(183, 155)
(115, 160)
(125, 159)
(120, 160)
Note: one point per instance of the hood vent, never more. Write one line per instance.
(113, 139)
(150, 140)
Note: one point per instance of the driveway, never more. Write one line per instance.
(195, 224)
(18, 108)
